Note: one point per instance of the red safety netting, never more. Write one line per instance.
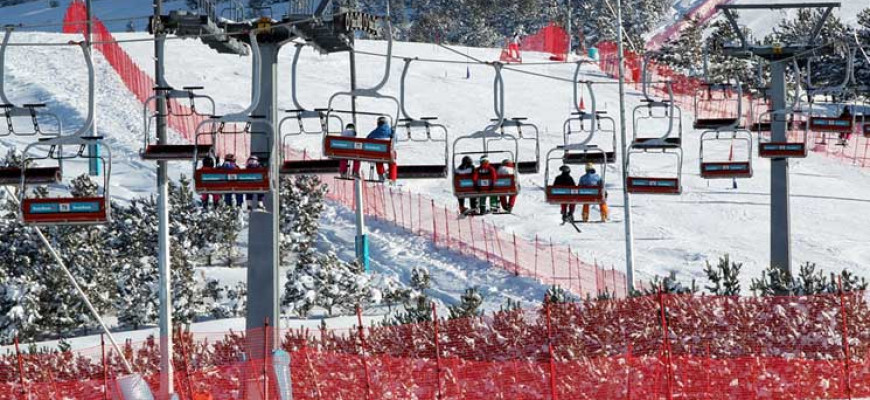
(655, 347)
(551, 39)
(855, 152)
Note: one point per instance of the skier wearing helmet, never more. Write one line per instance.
(343, 165)
(484, 178)
(507, 169)
(382, 132)
(253, 200)
(465, 168)
(230, 163)
(591, 178)
(565, 179)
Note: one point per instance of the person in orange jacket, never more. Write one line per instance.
(484, 178)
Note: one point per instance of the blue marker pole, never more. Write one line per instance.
(94, 161)
(362, 240)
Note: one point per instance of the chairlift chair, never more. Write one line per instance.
(796, 127)
(718, 106)
(821, 121)
(521, 131)
(596, 132)
(55, 210)
(668, 144)
(737, 165)
(151, 150)
(575, 194)
(216, 180)
(464, 185)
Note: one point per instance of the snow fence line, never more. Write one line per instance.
(655, 347)
(538, 259)
(855, 152)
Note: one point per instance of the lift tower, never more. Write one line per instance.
(779, 55)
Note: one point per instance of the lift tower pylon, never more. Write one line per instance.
(779, 55)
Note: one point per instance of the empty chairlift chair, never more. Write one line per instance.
(192, 111)
(667, 145)
(726, 154)
(718, 106)
(592, 131)
(54, 209)
(419, 133)
(831, 118)
(797, 133)
(308, 123)
(526, 135)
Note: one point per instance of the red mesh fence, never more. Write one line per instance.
(539, 259)
(550, 39)
(417, 214)
(856, 150)
(656, 347)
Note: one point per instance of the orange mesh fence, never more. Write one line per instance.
(655, 347)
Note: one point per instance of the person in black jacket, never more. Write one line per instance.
(565, 179)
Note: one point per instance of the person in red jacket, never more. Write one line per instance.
(484, 178)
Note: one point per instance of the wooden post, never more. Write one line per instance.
(20, 366)
(105, 367)
(550, 350)
(665, 342)
(437, 352)
(516, 257)
(362, 339)
(846, 353)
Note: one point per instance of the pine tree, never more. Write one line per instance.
(724, 277)
(469, 305)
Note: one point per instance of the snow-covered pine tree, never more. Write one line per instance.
(469, 305)
(723, 67)
(135, 271)
(723, 277)
(685, 53)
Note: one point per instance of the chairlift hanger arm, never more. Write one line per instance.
(729, 9)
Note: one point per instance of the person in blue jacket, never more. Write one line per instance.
(592, 179)
(230, 164)
(382, 132)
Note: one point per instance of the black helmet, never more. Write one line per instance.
(565, 169)
(382, 121)
(466, 160)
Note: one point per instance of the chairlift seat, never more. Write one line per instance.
(782, 150)
(310, 167)
(589, 157)
(715, 123)
(11, 176)
(831, 124)
(528, 167)
(761, 127)
(64, 211)
(657, 143)
(359, 149)
(465, 187)
(651, 185)
(217, 181)
(575, 194)
(726, 170)
(421, 171)
(175, 152)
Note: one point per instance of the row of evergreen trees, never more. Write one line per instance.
(686, 53)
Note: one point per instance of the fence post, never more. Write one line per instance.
(434, 225)
(485, 243)
(550, 349)
(437, 352)
(459, 225)
(20, 366)
(516, 257)
(393, 204)
(536, 256)
(402, 208)
(553, 263)
(665, 343)
(500, 252)
(570, 280)
(471, 228)
(447, 226)
(105, 367)
(362, 339)
(266, 358)
(420, 213)
(847, 361)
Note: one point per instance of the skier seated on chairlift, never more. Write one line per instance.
(565, 179)
(591, 178)
(845, 136)
(485, 174)
(253, 200)
(465, 168)
(507, 169)
(230, 164)
(349, 131)
(209, 161)
(382, 132)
